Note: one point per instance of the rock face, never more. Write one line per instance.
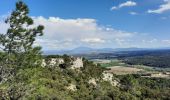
(109, 77)
(72, 87)
(43, 64)
(60, 61)
(77, 63)
(93, 81)
(52, 62)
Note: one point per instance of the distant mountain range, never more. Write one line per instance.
(80, 50)
(87, 50)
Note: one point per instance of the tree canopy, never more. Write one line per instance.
(18, 42)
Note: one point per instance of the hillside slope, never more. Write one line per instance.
(90, 82)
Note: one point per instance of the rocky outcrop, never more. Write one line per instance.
(77, 63)
(43, 64)
(93, 81)
(72, 87)
(52, 62)
(110, 78)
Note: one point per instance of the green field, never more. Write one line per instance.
(113, 62)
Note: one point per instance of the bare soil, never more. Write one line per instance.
(120, 70)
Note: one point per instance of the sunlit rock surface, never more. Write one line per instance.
(77, 63)
(72, 87)
(110, 78)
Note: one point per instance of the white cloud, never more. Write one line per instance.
(133, 13)
(93, 40)
(70, 33)
(150, 41)
(162, 8)
(166, 41)
(3, 27)
(114, 8)
(120, 41)
(49, 44)
(125, 4)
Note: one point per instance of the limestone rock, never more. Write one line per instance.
(72, 87)
(77, 63)
(109, 77)
(92, 81)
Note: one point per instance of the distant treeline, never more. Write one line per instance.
(154, 58)
(159, 58)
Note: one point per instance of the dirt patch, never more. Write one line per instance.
(120, 70)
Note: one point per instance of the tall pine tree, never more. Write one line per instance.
(18, 42)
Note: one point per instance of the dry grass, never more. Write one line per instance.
(102, 61)
(120, 70)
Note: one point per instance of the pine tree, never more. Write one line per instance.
(18, 42)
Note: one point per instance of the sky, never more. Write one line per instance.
(97, 23)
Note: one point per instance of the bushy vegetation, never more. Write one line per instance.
(51, 83)
(146, 88)
(154, 61)
(153, 58)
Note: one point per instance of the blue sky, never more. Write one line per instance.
(98, 23)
